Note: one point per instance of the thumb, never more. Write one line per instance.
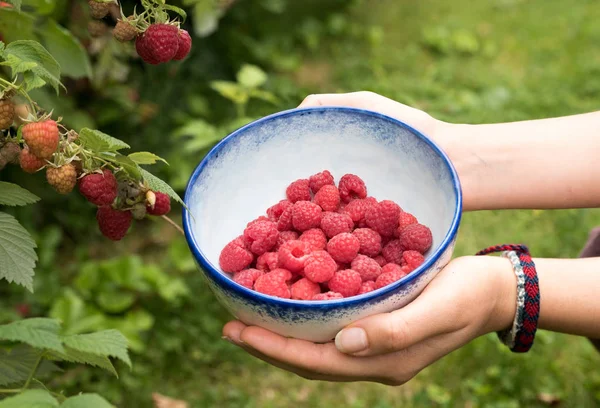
(353, 100)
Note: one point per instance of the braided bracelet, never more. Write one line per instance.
(519, 337)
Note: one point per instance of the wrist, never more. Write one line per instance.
(504, 294)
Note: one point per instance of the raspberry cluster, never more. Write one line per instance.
(326, 241)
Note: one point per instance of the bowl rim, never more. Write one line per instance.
(226, 281)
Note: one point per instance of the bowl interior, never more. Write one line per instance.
(250, 170)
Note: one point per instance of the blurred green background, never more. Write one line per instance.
(461, 61)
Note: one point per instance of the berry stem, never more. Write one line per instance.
(170, 221)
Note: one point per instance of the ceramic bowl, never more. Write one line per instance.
(248, 171)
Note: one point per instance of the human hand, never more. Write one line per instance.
(472, 296)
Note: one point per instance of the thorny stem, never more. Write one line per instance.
(170, 221)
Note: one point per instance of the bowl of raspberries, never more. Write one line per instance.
(307, 220)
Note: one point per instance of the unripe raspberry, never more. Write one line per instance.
(63, 178)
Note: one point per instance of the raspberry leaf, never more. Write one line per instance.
(145, 158)
(13, 194)
(76, 356)
(67, 50)
(251, 76)
(16, 364)
(156, 184)
(30, 398)
(98, 141)
(230, 90)
(177, 10)
(108, 343)
(16, 4)
(86, 401)
(38, 332)
(125, 163)
(17, 253)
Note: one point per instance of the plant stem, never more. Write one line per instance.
(170, 221)
(32, 373)
(10, 391)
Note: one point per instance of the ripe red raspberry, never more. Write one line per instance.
(185, 45)
(335, 223)
(113, 224)
(158, 44)
(7, 113)
(404, 221)
(98, 9)
(316, 181)
(63, 178)
(125, 30)
(351, 187)
(30, 163)
(328, 296)
(144, 51)
(315, 238)
(306, 215)
(42, 138)
(417, 237)
(285, 236)
(370, 241)
(392, 252)
(328, 198)
(275, 211)
(368, 268)
(304, 289)
(320, 267)
(412, 260)
(383, 217)
(162, 205)
(247, 277)
(274, 283)
(346, 282)
(380, 260)
(366, 287)
(235, 256)
(343, 247)
(293, 255)
(357, 209)
(285, 220)
(298, 191)
(99, 188)
(262, 236)
(389, 273)
(267, 261)
(259, 219)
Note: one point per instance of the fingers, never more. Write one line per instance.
(352, 99)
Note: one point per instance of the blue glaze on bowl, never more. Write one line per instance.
(248, 171)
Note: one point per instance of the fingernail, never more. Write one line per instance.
(227, 339)
(351, 340)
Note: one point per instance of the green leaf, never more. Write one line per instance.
(231, 91)
(16, 4)
(30, 399)
(13, 194)
(17, 364)
(21, 54)
(32, 81)
(251, 76)
(109, 343)
(125, 162)
(76, 356)
(15, 25)
(86, 401)
(98, 141)
(38, 332)
(145, 158)
(115, 302)
(206, 17)
(264, 95)
(202, 133)
(42, 7)
(68, 51)
(177, 10)
(156, 184)
(17, 254)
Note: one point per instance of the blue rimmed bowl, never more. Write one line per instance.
(248, 171)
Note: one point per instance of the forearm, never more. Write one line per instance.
(548, 163)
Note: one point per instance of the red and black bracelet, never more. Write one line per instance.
(519, 338)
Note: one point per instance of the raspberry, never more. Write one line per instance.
(7, 113)
(383, 217)
(275, 211)
(113, 223)
(293, 255)
(328, 296)
(315, 238)
(125, 30)
(63, 178)
(405, 220)
(162, 205)
(285, 236)
(304, 289)
(267, 261)
(184, 45)
(351, 187)
(298, 191)
(285, 220)
(357, 209)
(370, 241)
(9, 153)
(417, 237)
(346, 282)
(316, 181)
(30, 163)
(368, 268)
(341, 266)
(158, 44)
(320, 267)
(98, 9)
(42, 138)
(366, 287)
(335, 223)
(306, 215)
(392, 252)
(412, 260)
(380, 260)
(274, 283)
(328, 198)
(235, 256)
(99, 189)
(262, 236)
(247, 277)
(143, 49)
(389, 273)
(343, 247)
(259, 219)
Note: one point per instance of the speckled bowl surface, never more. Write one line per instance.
(248, 171)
